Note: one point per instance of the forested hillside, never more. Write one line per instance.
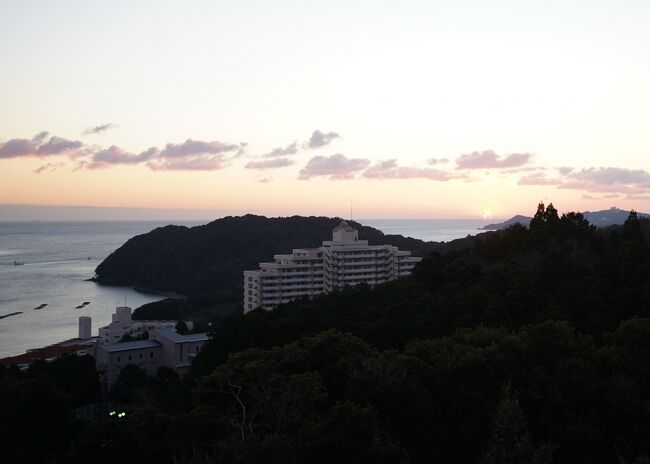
(211, 258)
(531, 346)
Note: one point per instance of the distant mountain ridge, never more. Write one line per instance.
(603, 218)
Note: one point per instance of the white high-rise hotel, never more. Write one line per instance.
(343, 261)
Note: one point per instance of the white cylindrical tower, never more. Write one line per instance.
(124, 314)
(85, 327)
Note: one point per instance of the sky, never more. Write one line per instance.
(413, 109)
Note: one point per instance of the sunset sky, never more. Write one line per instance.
(411, 109)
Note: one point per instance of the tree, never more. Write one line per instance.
(350, 433)
(632, 231)
(181, 327)
(510, 442)
(539, 218)
(130, 384)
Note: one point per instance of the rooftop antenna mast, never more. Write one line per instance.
(350, 208)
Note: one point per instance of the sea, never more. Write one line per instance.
(50, 263)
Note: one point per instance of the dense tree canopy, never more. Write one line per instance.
(532, 345)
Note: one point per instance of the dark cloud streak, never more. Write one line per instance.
(273, 163)
(281, 152)
(320, 139)
(99, 129)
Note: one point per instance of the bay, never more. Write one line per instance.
(57, 258)
(430, 230)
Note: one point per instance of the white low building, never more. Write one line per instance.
(343, 261)
(122, 324)
(165, 347)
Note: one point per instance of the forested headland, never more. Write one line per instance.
(210, 258)
(530, 345)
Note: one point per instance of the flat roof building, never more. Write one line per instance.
(165, 347)
(343, 261)
(122, 324)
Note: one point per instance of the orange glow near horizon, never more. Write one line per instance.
(236, 191)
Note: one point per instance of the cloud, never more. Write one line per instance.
(564, 170)
(197, 147)
(279, 151)
(194, 155)
(188, 155)
(608, 180)
(191, 155)
(335, 167)
(40, 137)
(434, 161)
(390, 170)
(270, 163)
(538, 179)
(57, 146)
(201, 163)
(48, 167)
(40, 146)
(488, 159)
(265, 180)
(319, 139)
(586, 196)
(508, 171)
(99, 129)
(113, 155)
(617, 176)
(15, 148)
(638, 197)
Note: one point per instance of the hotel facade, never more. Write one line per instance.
(343, 261)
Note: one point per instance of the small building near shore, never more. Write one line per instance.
(122, 324)
(165, 347)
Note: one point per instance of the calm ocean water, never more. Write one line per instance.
(56, 265)
(58, 257)
(434, 230)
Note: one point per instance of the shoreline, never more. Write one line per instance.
(143, 290)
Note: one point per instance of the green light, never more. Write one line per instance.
(112, 413)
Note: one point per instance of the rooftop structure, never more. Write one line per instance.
(122, 324)
(343, 261)
(165, 347)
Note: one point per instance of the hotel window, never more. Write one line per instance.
(140, 355)
(130, 357)
(151, 354)
(119, 359)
